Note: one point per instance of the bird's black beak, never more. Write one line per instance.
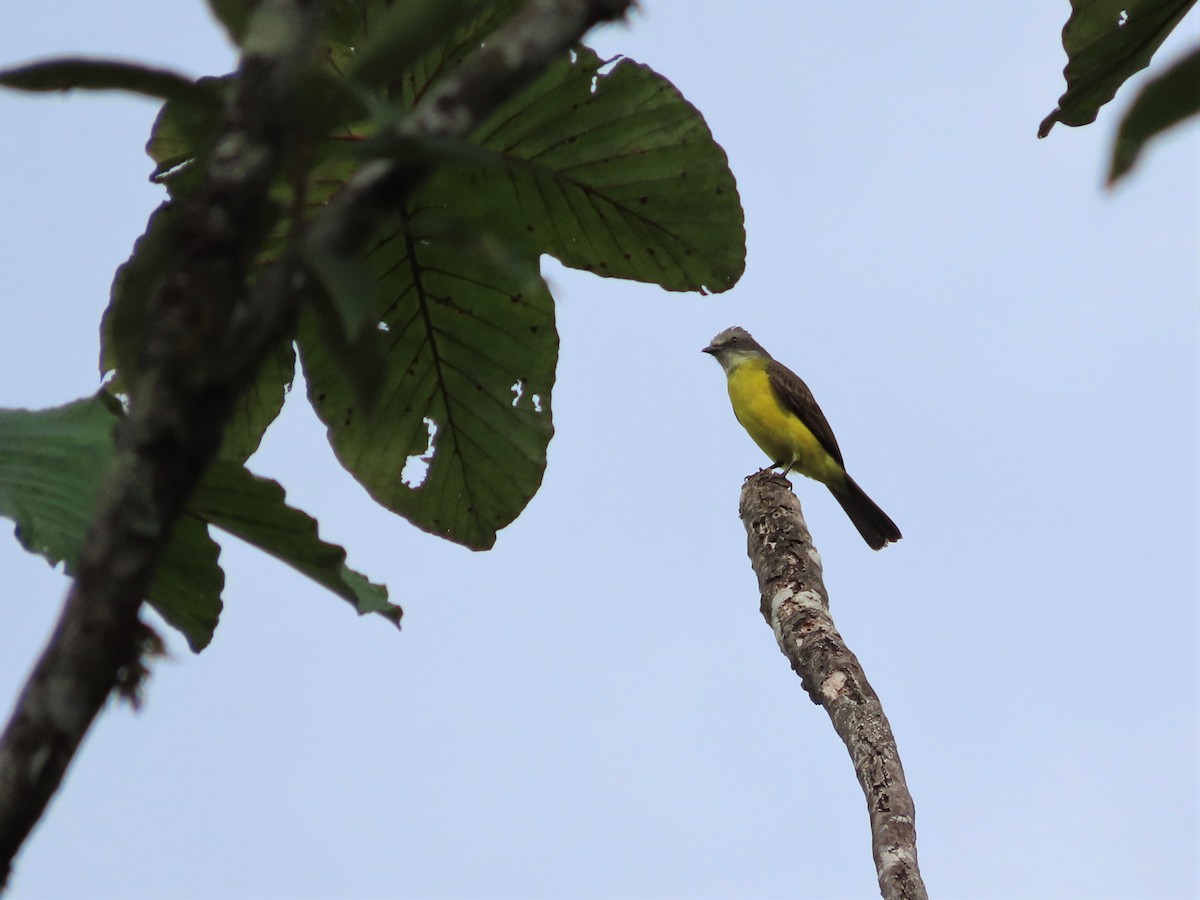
(709, 349)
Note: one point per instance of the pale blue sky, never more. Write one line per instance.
(595, 708)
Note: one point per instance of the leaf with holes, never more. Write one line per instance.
(1107, 41)
(470, 349)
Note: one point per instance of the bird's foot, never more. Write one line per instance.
(769, 468)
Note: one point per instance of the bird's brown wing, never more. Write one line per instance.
(794, 394)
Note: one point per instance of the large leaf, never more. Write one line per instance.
(254, 509)
(1162, 103)
(1107, 41)
(612, 172)
(52, 462)
(469, 365)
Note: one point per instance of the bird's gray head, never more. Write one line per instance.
(734, 346)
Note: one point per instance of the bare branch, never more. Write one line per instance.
(796, 606)
(205, 337)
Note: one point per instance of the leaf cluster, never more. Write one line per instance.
(429, 349)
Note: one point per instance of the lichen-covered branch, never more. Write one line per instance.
(205, 335)
(796, 606)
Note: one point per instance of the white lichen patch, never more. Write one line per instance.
(833, 686)
(891, 857)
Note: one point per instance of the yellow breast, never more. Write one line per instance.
(777, 430)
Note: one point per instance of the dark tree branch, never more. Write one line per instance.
(205, 337)
(796, 606)
(173, 430)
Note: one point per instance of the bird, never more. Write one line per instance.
(779, 413)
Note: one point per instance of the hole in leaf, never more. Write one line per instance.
(537, 402)
(170, 169)
(416, 467)
(1122, 18)
(518, 390)
(383, 326)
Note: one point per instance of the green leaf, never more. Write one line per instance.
(1162, 103)
(121, 328)
(614, 173)
(68, 73)
(1107, 41)
(470, 355)
(52, 462)
(254, 509)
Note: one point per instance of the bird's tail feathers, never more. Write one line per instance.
(872, 522)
